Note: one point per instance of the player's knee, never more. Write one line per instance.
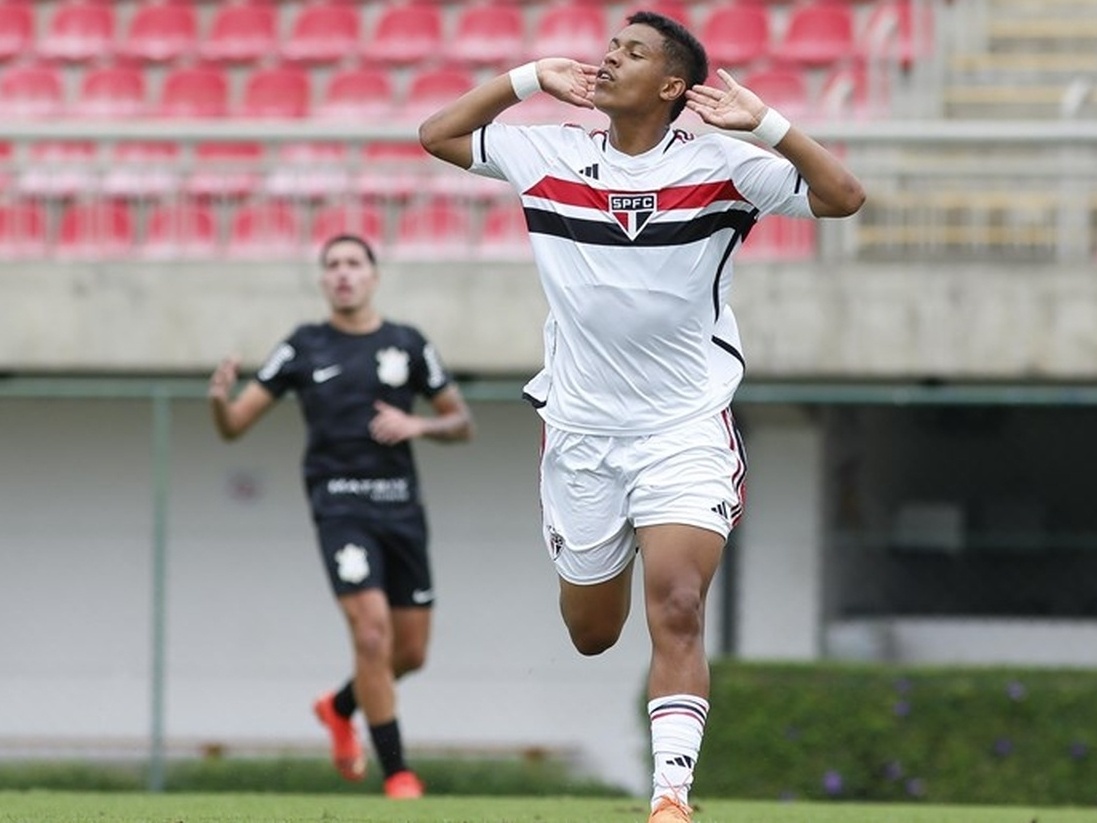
(594, 640)
(371, 643)
(679, 613)
(408, 660)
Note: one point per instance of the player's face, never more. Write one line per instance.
(633, 76)
(348, 278)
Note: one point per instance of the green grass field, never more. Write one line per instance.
(82, 807)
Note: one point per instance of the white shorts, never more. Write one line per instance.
(597, 490)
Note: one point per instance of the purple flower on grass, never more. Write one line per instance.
(832, 783)
(1003, 747)
(893, 770)
(1016, 690)
(903, 685)
(1078, 750)
(916, 787)
(901, 708)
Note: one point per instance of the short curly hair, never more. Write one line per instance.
(684, 52)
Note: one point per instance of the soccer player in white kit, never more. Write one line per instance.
(632, 231)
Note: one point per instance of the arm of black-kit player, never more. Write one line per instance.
(451, 421)
(447, 134)
(234, 416)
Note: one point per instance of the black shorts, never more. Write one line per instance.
(383, 551)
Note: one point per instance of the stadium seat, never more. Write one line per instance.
(241, 33)
(182, 230)
(776, 237)
(845, 94)
(264, 231)
(362, 94)
(16, 29)
(435, 230)
(194, 92)
(225, 169)
(786, 89)
(430, 89)
(504, 235)
(893, 31)
(736, 35)
(363, 219)
(309, 171)
(30, 92)
(142, 169)
(674, 9)
(110, 92)
(325, 32)
(78, 30)
(62, 168)
(817, 34)
(160, 32)
(23, 230)
(487, 34)
(406, 33)
(393, 170)
(573, 29)
(276, 92)
(98, 230)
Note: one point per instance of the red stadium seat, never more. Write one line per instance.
(326, 32)
(265, 231)
(488, 33)
(142, 169)
(430, 90)
(160, 32)
(846, 94)
(362, 94)
(362, 219)
(784, 89)
(893, 31)
(96, 231)
(309, 171)
(393, 170)
(23, 230)
(776, 237)
(181, 231)
(436, 230)
(59, 168)
(194, 92)
(406, 33)
(574, 29)
(225, 169)
(111, 92)
(817, 34)
(78, 30)
(674, 9)
(241, 33)
(30, 92)
(276, 92)
(736, 35)
(16, 29)
(504, 235)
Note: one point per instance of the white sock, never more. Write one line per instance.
(677, 726)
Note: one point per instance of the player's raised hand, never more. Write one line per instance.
(734, 107)
(567, 80)
(224, 378)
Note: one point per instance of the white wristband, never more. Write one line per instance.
(524, 81)
(773, 127)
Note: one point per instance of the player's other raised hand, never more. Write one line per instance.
(733, 107)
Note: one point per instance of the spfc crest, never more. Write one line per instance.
(392, 367)
(633, 210)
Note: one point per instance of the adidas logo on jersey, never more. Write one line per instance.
(590, 171)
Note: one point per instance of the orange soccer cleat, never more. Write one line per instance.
(403, 785)
(669, 810)
(346, 748)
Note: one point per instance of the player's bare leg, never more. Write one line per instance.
(595, 615)
(410, 637)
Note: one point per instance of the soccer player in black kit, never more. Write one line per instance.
(356, 376)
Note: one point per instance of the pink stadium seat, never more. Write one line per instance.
(674, 9)
(159, 32)
(310, 171)
(736, 35)
(111, 92)
(436, 230)
(191, 92)
(504, 235)
(276, 92)
(363, 219)
(142, 169)
(430, 89)
(406, 33)
(264, 231)
(78, 30)
(784, 89)
(817, 34)
(364, 94)
(892, 30)
(845, 94)
(573, 29)
(776, 237)
(97, 230)
(62, 168)
(241, 33)
(225, 169)
(23, 230)
(16, 29)
(181, 231)
(393, 170)
(488, 33)
(30, 92)
(324, 32)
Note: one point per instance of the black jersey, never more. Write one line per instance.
(337, 378)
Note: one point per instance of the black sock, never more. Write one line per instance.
(390, 751)
(345, 702)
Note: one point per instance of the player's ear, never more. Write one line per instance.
(673, 88)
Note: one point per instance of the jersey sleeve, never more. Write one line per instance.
(768, 181)
(282, 369)
(428, 374)
(518, 154)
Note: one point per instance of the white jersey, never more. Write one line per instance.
(634, 258)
